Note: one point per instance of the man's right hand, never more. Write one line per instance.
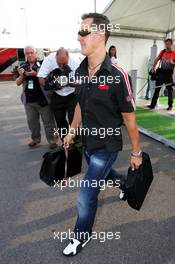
(20, 71)
(68, 140)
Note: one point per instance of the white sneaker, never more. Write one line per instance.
(122, 195)
(74, 247)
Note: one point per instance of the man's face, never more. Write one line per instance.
(168, 45)
(90, 42)
(62, 58)
(30, 55)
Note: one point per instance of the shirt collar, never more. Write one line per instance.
(106, 64)
(29, 63)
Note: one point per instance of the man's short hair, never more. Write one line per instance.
(99, 19)
(168, 40)
(29, 47)
(62, 50)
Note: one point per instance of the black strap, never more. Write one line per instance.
(161, 57)
(63, 182)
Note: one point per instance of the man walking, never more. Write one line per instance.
(101, 105)
(165, 73)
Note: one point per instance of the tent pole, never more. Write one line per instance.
(95, 6)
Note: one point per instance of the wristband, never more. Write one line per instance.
(136, 154)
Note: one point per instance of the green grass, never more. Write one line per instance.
(157, 123)
(163, 100)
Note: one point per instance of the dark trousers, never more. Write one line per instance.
(62, 106)
(159, 82)
(33, 112)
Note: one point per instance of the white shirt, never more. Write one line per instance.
(49, 64)
(113, 60)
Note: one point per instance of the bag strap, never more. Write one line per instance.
(161, 57)
(162, 54)
(66, 155)
(63, 181)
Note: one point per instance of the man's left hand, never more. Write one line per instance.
(135, 162)
(172, 62)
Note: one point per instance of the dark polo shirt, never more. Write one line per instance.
(102, 100)
(33, 94)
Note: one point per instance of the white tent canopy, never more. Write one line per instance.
(157, 17)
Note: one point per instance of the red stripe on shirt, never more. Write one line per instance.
(125, 77)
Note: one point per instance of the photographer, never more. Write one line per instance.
(55, 77)
(34, 100)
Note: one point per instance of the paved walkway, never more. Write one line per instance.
(30, 211)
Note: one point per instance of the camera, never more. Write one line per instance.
(58, 78)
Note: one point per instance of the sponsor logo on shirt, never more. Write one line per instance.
(103, 87)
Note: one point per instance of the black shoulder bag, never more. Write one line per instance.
(155, 74)
(60, 164)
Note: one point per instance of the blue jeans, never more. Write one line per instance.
(99, 168)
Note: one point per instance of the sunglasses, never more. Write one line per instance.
(84, 32)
